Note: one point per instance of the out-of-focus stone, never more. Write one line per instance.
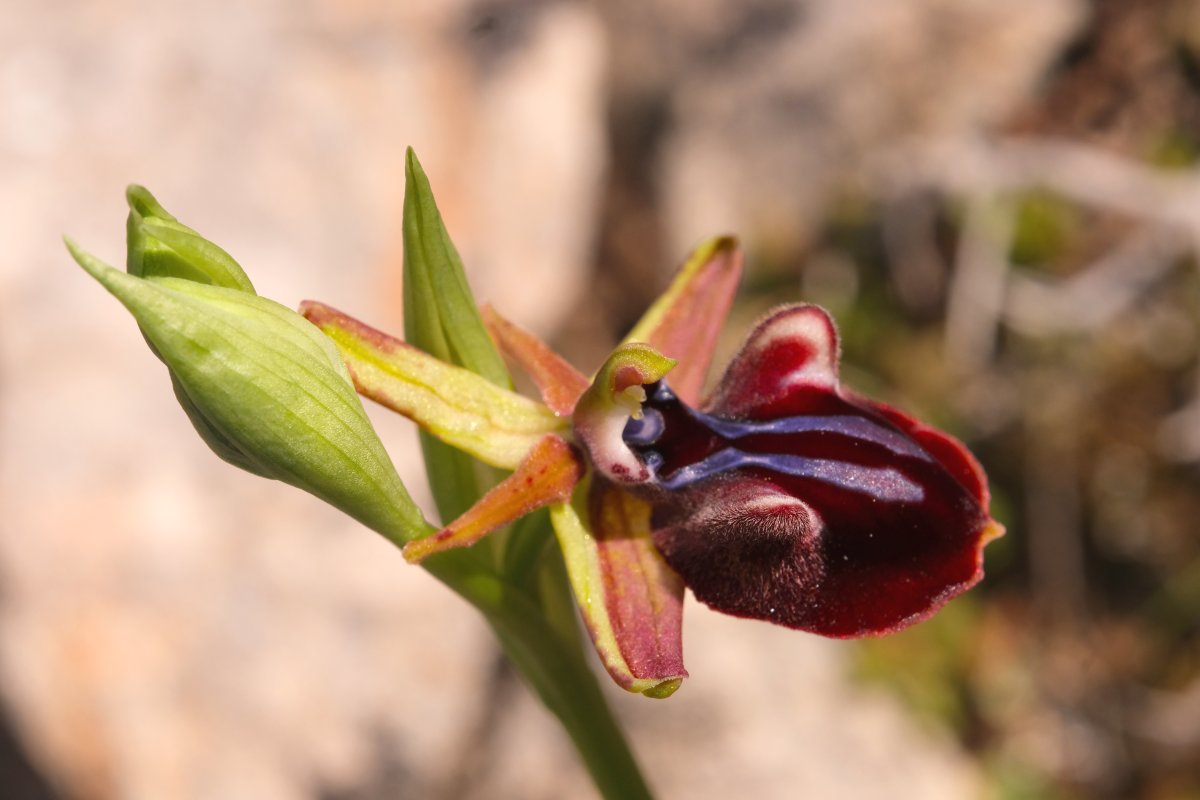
(769, 122)
(779, 710)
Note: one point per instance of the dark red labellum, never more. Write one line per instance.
(809, 507)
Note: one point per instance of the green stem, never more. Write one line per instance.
(568, 688)
(556, 670)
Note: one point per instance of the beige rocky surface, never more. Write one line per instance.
(174, 629)
(820, 99)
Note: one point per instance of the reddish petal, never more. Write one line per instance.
(547, 475)
(685, 322)
(631, 601)
(559, 383)
(643, 595)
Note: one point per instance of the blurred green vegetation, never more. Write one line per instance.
(1046, 226)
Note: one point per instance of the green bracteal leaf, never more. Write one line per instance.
(441, 318)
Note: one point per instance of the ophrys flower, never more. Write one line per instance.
(782, 497)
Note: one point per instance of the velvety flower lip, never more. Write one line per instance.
(792, 500)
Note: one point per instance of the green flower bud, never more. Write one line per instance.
(265, 388)
(162, 246)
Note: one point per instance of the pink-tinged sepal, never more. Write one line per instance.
(559, 383)
(615, 397)
(685, 322)
(547, 475)
(643, 595)
(630, 599)
(796, 502)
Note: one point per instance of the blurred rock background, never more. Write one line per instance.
(999, 200)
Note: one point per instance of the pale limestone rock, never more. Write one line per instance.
(767, 129)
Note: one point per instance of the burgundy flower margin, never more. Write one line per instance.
(782, 496)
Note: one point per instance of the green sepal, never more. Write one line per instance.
(268, 392)
(686, 321)
(218, 442)
(630, 600)
(495, 425)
